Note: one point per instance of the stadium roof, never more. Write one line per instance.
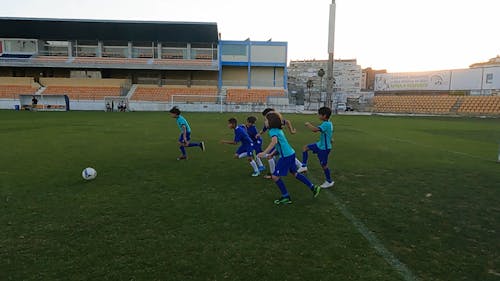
(112, 30)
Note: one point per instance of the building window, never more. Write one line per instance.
(489, 78)
(20, 46)
(234, 50)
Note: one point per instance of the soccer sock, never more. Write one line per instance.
(272, 165)
(327, 175)
(305, 155)
(254, 166)
(281, 186)
(305, 181)
(298, 163)
(183, 150)
(243, 155)
(191, 144)
(259, 162)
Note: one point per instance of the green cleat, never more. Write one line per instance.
(283, 201)
(316, 190)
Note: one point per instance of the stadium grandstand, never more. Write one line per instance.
(148, 65)
(473, 91)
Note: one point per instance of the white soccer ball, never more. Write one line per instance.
(89, 173)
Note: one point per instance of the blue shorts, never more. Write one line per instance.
(245, 148)
(257, 146)
(285, 165)
(322, 154)
(188, 137)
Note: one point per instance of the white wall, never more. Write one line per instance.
(276, 54)
(420, 81)
(165, 106)
(157, 106)
(491, 78)
(87, 105)
(474, 79)
(466, 79)
(8, 103)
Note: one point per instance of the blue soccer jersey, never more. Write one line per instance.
(326, 129)
(181, 121)
(283, 147)
(241, 135)
(252, 133)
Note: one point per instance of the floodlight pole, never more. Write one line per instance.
(329, 71)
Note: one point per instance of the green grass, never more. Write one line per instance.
(428, 188)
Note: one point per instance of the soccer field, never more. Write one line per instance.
(414, 199)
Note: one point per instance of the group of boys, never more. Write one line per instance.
(251, 140)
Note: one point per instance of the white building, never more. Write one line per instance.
(347, 74)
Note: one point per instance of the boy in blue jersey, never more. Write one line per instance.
(257, 140)
(291, 129)
(321, 148)
(185, 137)
(246, 147)
(286, 162)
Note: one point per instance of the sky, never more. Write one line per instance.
(397, 35)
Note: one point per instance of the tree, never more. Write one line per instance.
(309, 85)
(321, 73)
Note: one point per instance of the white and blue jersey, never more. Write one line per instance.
(325, 138)
(241, 135)
(257, 141)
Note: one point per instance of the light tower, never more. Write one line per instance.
(329, 71)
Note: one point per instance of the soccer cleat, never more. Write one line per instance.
(262, 168)
(302, 169)
(202, 146)
(316, 190)
(327, 184)
(182, 158)
(255, 174)
(283, 201)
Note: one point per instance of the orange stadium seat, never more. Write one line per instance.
(480, 105)
(83, 88)
(197, 62)
(252, 95)
(95, 60)
(414, 104)
(182, 94)
(12, 87)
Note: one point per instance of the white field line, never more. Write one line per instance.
(426, 145)
(381, 250)
(445, 150)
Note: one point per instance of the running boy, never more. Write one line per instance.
(246, 147)
(291, 129)
(185, 137)
(257, 141)
(286, 162)
(321, 148)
